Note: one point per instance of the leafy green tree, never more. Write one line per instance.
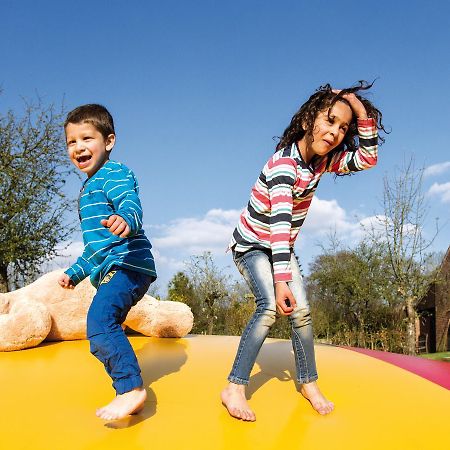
(237, 310)
(351, 293)
(180, 288)
(33, 204)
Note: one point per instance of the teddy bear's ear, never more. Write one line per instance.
(26, 325)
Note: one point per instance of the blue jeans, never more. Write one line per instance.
(119, 291)
(256, 268)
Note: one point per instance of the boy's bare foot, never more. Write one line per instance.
(130, 402)
(233, 398)
(312, 393)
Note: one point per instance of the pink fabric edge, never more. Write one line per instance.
(436, 371)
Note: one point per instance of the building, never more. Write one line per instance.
(433, 333)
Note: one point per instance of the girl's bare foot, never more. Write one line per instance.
(130, 402)
(312, 393)
(233, 398)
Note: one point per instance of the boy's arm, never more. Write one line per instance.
(366, 155)
(78, 271)
(122, 191)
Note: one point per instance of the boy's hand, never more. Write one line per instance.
(284, 299)
(117, 225)
(65, 281)
(358, 108)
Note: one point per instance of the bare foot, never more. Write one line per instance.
(131, 402)
(233, 398)
(312, 393)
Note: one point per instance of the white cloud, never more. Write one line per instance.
(378, 224)
(372, 224)
(188, 236)
(69, 252)
(325, 216)
(169, 263)
(328, 221)
(436, 169)
(193, 235)
(175, 242)
(441, 190)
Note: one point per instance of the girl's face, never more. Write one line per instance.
(328, 132)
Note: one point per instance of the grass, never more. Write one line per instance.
(442, 356)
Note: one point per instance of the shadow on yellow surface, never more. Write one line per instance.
(50, 393)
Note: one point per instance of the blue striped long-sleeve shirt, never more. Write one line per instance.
(113, 189)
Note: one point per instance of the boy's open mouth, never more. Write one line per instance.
(84, 158)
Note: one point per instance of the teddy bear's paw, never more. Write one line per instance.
(173, 319)
(159, 318)
(26, 325)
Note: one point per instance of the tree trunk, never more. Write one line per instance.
(210, 325)
(362, 334)
(4, 279)
(410, 327)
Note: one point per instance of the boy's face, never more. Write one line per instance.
(88, 149)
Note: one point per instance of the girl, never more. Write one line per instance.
(322, 137)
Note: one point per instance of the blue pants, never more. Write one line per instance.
(119, 291)
(256, 268)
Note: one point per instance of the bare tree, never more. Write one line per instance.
(33, 205)
(409, 255)
(209, 285)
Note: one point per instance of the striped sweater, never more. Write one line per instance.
(113, 189)
(281, 197)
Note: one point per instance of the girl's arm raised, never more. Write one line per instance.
(365, 157)
(367, 154)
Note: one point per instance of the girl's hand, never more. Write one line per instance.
(65, 281)
(284, 299)
(117, 225)
(358, 108)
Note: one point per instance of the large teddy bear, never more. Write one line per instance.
(45, 310)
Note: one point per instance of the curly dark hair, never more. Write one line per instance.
(302, 123)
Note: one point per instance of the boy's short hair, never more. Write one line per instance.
(97, 115)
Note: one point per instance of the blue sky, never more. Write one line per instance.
(198, 90)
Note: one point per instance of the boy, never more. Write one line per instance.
(116, 254)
